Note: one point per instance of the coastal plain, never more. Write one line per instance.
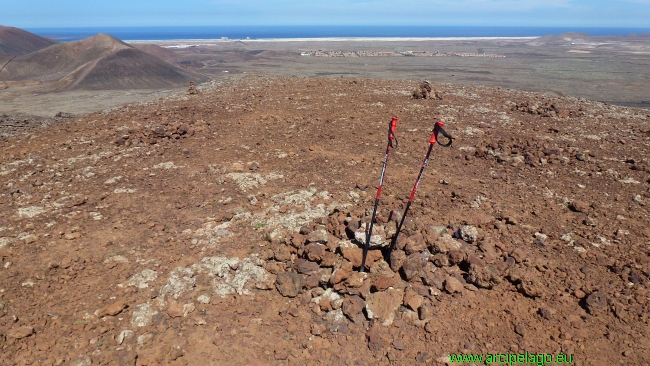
(608, 69)
(614, 70)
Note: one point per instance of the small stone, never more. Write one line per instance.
(175, 309)
(352, 227)
(216, 339)
(596, 303)
(415, 244)
(315, 252)
(435, 279)
(377, 239)
(545, 313)
(253, 165)
(441, 260)
(305, 267)
(375, 342)
(412, 299)
(468, 233)
(312, 281)
(395, 216)
(398, 344)
(422, 357)
(142, 315)
(188, 308)
(203, 299)
(579, 206)
(289, 284)
(297, 240)
(453, 285)
(352, 306)
(531, 287)
(145, 339)
(397, 259)
(325, 305)
(481, 219)
(413, 266)
(318, 236)
(282, 253)
(304, 230)
(329, 259)
(340, 275)
(483, 276)
(176, 352)
(356, 279)
(318, 329)
(355, 255)
(518, 254)
(456, 256)
(20, 332)
(520, 329)
(383, 282)
(112, 309)
(125, 334)
(473, 259)
(81, 360)
(425, 311)
(510, 218)
(382, 305)
(590, 221)
(72, 236)
(30, 239)
(281, 354)
(579, 294)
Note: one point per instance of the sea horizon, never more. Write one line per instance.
(178, 33)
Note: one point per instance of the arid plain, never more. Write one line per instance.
(608, 69)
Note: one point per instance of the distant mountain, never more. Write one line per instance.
(99, 62)
(18, 42)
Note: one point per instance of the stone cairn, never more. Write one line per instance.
(192, 89)
(425, 91)
(319, 265)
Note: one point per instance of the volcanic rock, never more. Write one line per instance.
(382, 305)
(453, 285)
(305, 267)
(289, 284)
(112, 309)
(596, 303)
(352, 306)
(412, 267)
(20, 332)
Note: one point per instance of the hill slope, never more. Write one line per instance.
(234, 216)
(157, 51)
(99, 62)
(18, 42)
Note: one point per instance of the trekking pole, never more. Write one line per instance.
(391, 137)
(432, 141)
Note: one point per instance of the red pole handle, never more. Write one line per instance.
(434, 136)
(393, 125)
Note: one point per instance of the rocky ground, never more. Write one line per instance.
(222, 228)
(11, 125)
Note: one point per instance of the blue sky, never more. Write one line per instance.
(91, 13)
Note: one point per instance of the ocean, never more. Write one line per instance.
(287, 32)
